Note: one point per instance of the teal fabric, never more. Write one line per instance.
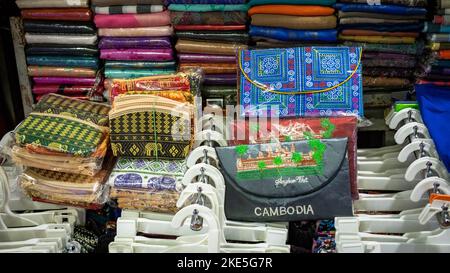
(135, 73)
(207, 8)
(292, 2)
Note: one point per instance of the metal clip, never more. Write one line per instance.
(443, 217)
(428, 171)
(196, 220)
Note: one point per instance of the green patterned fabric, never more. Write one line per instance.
(84, 110)
(149, 134)
(207, 7)
(60, 134)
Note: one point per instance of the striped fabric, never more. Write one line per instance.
(129, 9)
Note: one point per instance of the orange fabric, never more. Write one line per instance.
(292, 10)
(361, 32)
(444, 54)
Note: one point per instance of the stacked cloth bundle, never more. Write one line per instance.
(62, 144)
(435, 65)
(152, 133)
(61, 50)
(276, 23)
(135, 38)
(390, 29)
(209, 33)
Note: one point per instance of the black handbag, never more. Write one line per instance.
(286, 181)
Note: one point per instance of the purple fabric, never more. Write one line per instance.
(134, 42)
(221, 79)
(206, 58)
(137, 54)
(64, 80)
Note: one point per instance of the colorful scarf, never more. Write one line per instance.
(209, 18)
(136, 9)
(132, 20)
(207, 8)
(136, 32)
(292, 10)
(72, 14)
(165, 54)
(284, 34)
(134, 42)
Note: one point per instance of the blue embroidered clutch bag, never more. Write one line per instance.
(301, 82)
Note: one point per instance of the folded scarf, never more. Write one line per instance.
(379, 39)
(65, 61)
(292, 10)
(117, 73)
(106, 3)
(442, 19)
(444, 54)
(205, 58)
(207, 8)
(64, 80)
(399, 63)
(42, 89)
(136, 32)
(361, 32)
(343, 14)
(221, 79)
(210, 68)
(435, 28)
(209, 27)
(294, 22)
(437, 46)
(65, 50)
(129, 9)
(27, 4)
(208, 18)
(139, 64)
(411, 49)
(284, 34)
(363, 20)
(228, 36)
(387, 9)
(137, 54)
(132, 20)
(37, 26)
(440, 38)
(386, 82)
(292, 2)
(411, 3)
(72, 14)
(134, 42)
(32, 38)
(386, 27)
(61, 71)
(388, 72)
(185, 46)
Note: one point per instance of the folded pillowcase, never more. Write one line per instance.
(294, 22)
(60, 71)
(72, 14)
(26, 4)
(292, 10)
(137, 54)
(209, 18)
(284, 34)
(134, 42)
(136, 32)
(129, 9)
(31, 38)
(132, 20)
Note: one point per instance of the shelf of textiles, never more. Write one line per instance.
(63, 144)
(389, 33)
(209, 33)
(404, 187)
(61, 51)
(135, 38)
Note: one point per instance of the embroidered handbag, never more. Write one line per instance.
(300, 82)
(288, 181)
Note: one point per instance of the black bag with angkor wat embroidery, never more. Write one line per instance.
(286, 181)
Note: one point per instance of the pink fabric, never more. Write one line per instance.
(132, 20)
(136, 32)
(137, 54)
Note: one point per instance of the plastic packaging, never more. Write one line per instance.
(160, 202)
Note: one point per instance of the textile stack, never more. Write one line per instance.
(152, 134)
(209, 34)
(61, 51)
(289, 22)
(389, 32)
(63, 143)
(435, 67)
(135, 38)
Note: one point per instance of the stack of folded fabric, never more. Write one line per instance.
(391, 32)
(209, 33)
(61, 48)
(435, 65)
(63, 143)
(276, 23)
(135, 38)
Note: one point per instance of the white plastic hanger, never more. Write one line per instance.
(209, 136)
(425, 164)
(438, 203)
(381, 166)
(212, 121)
(200, 153)
(430, 183)
(207, 170)
(387, 202)
(424, 146)
(374, 152)
(414, 130)
(407, 115)
(395, 182)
